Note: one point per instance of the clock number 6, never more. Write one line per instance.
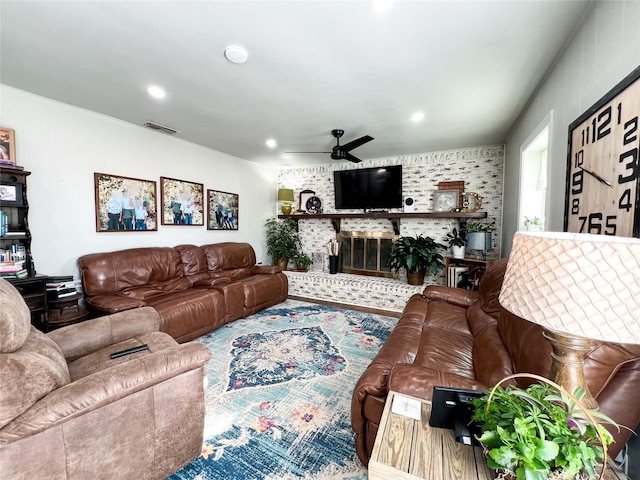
(595, 224)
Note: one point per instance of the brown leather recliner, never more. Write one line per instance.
(69, 411)
(453, 337)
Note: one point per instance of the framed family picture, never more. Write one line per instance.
(7, 146)
(182, 202)
(125, 204)
(222, 210)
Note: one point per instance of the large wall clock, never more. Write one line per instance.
(603, 166)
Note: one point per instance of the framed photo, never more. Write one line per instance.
(7, 146)
(222, 210)
(445, 200)
(125, 204)
(182, 202)
(11, 193)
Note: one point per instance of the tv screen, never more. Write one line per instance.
(368, 188)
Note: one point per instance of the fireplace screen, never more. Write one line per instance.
(366, 253)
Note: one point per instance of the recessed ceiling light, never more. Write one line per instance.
(381, 5)
(235, 54)
(156, 92)
(417, 117)
(271, 143)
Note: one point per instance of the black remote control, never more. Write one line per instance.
(129, 351)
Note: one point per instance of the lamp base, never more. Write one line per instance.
(567, 367)
(286, 208)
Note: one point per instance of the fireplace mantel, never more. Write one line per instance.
(394, 218)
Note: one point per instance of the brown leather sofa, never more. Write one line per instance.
(457, 338)
(194, 289)
(69, 411)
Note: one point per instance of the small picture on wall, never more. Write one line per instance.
(222, 210)
(7, 146)
(182, 202)
(125, 204)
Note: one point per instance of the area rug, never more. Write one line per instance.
(279, 394)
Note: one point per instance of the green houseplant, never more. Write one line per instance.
(283, 241)
(478, 235)
(302, 261)
(541, 432)
(417, 255)
(457, 242)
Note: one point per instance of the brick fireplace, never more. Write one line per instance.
(366, 253)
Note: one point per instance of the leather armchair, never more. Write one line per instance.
(68, 411)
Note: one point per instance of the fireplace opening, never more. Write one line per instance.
(366, 253)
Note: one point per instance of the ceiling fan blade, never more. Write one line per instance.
(356, 143)
(307, 152)
(351, 158)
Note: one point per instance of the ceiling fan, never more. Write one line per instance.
(341, 152)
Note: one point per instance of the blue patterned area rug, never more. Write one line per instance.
(279, 394)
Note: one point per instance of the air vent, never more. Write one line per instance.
(162, 128)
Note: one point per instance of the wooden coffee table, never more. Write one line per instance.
(409, 449)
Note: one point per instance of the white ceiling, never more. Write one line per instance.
(470, 66)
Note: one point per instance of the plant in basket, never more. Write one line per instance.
(541, 432)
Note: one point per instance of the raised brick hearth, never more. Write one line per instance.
(364, 291)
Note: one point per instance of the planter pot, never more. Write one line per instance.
(458, 252)
(532, 228)
(415, 278)
(479, 241)
(282, 263)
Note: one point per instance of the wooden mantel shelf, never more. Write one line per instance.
(393, 217)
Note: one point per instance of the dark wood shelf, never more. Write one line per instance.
(393, 217)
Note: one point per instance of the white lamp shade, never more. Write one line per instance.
(584, 285)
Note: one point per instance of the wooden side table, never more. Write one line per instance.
(407, 449)
(65, 311)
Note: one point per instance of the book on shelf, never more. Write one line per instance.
(11, 267)
(18, 274)
(67, 294)
(456, 274)
(9, 234)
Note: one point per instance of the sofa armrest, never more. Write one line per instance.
(418, 381)
(107, 386)
(83, 338)
(455, 296)
(268, 269)
(113, 303)
(212, 281)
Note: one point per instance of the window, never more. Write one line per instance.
(533, 177)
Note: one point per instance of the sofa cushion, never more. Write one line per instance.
(15, 318)
(109, 273)
(29, 374)
(194, 260)
(490, 287)
(229, 255)
(446, 350)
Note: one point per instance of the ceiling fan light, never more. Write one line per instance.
(236, 54)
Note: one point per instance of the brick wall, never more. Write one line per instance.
(481, 168)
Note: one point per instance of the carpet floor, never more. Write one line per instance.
(279, 394)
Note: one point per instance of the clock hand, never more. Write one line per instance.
(597, 177)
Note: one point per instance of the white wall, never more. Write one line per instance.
(603, 50)
(64, 145)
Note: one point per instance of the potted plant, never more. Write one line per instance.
(283, 241)
(541, 432)
(533, 225)
(302, 261)
(456, 242)
(417, 255)
(478, 235)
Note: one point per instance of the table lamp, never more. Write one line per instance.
(285, 195)
(580, 288)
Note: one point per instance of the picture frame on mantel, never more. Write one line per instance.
(125, 204)
(7, 146)
(222, 210)
(182, 202)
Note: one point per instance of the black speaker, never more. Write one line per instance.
(409, 204)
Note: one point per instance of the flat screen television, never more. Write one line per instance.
(368, 188)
